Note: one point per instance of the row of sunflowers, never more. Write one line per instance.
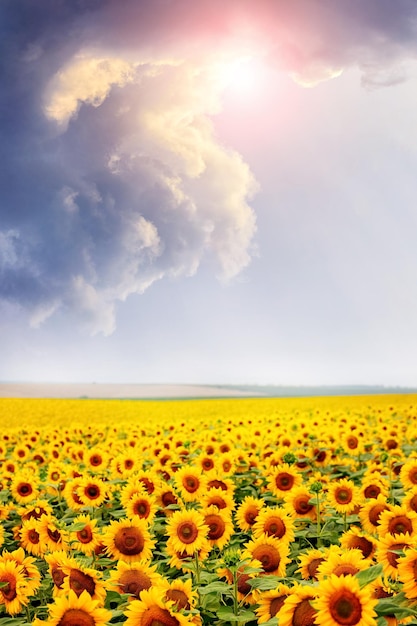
(288, 512)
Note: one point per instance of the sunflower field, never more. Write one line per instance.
(288, 512)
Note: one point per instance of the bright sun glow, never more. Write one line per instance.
(240, 76)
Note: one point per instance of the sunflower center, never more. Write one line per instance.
(179, 598)
(400, 524)
(219, 502)
(284, 481)
(58, 576)
(76, 617)
(33, 536)
(217, 484)
(148, 484)
(187, 532)
(344, 569)
(412, 476)
(141, 508)
(24, 489)
(304, 614)
(413, 503)
(168, 498)
(92, 492)
(96, 460)
(276, 605)
(129, 541)
(343, 495)
(352, 442)
(242, 583)
(216, 526)
(345, 608)
(275, 527)
(54, 535)
(268, 556)
(313, 565)
(251, 514)
(363, 544)
(375, 512)
(155, 616)
(208, 463)
(79, 581)
(85, 535)
(393, 553)
(191, 484)
(302, 505)
(372, 491)
(134, 581)
(9, 589)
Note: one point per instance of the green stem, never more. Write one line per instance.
(318, 521)
(235, 590)
(197, 569)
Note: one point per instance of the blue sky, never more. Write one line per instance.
(205, 193)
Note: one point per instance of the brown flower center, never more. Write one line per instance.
(400, 524)
(304, 614)
(191, 484)
(187, 532)
(345, 608)
(216, 526)
(33, 536)
(413, 503)
(276, 605)
(219, 502)
(342, 495)
(251, 514)
(24, 489)
(302, 505)
(372, 491)
(169, 498)
(207, 463)
(363, 544)
(375, 512)
(344, 569)
(242, 583)
(155, 616)
(412, 475)
(148, 484)
(76, 617)
(393, 553)
(58, 576)
(96, 460)
(284, 481)
(9, 589)
(142, 508)
(80, 581)
(92, 492)
(85, 535)
(54, 535)
(129, 541)
(179, 598)
(217, 484)
(313, 565)
(269, 557)
(275, 527)
(134, 581)
(352, 442)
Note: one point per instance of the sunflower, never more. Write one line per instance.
(409, 501)
(245, 592)
(56, 478)
(271, 553)
(143, 506)
(341, 602)
(29, 538)
(148, 478)
(342, 562)
(187, 531)
(270, 603)
(166, 497)
(23, 488)
(370, 513)
(284, 478)
(133, 578)
(247, 512)
(92, 491)
(71, 496)
(152, 609)
(180, 593)
(30, 571)
(80, 579)
(297, 608)
(343, 496)
(56, 563)
(73, 610)
(133, 487)
(356, 538)
(206, 462)
(181, 560)
(97, 460)
(397, 521)
(86, 537)
(373, 487)
(216, 479)
(14, 592)
(128, 539)
(310, 561)
(407, 572)
(219, 498)
(220, 526)
(35, 510)
(300, 503)
(51, 534)
(191, 483)
(274, 522)
(389, 550)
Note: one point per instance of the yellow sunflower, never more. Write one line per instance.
(165, 496)
(35, 510)
(180, 593)
(133, 487)
(219, 498)
(270, 603)
(191, 483)
(220, 526)
(409, 501)
(407, 572)
(297, 608)
(24, 488)
(274, 522)
(97, 460)
(341, 602)
(341, 563)
(408, 474)
(247, 512)
(133, 578)
(388, 552)
(310, 561)
(80, 579)
(356, 538)
(216, 479)
(92, 491)
(71, 496)
(300, 502)
(29, 538)
(283, 478)
(30, 572)
(343, 496)
(14, 592)
(73, 610)
(187, 531)
(271, 553)
(372, 487)
(370, 513)
(143, 506)
(86, 538)
(56, 563)
(51, 534)
(153, 609)
(128, 539)
(397, 521)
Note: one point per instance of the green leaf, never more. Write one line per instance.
(216, 587)
(369, 575)
(263, 583)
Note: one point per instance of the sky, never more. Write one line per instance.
(208, 192)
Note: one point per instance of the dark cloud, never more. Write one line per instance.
(111, 175)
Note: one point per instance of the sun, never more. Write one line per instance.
(240, 75)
